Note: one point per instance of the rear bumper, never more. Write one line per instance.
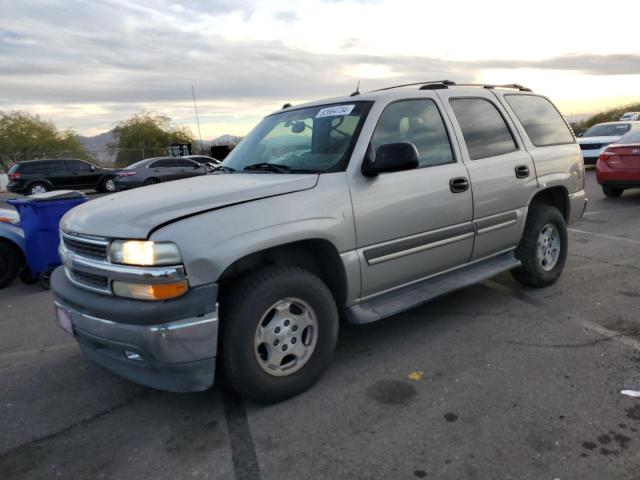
(16, 187)
(127, 184)
(618, 177)
(175, 352)
(577, 205)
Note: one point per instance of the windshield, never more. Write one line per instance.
(607, 130)
(632, 137)
(314, 139)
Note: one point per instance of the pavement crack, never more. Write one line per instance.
(612, 264)
(80, 423)
(564, 345)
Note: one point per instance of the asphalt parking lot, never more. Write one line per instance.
(494, 381)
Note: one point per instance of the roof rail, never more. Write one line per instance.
(440, 82)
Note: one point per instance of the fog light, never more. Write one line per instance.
(160, 291)
(132, 356)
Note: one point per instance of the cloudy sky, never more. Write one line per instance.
(86, 64)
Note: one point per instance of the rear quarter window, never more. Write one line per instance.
(541, 121)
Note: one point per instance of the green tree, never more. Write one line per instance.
(144, 135)
(610, 115)
(24, 136)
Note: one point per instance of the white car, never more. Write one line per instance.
(594, 140)
(630, 116)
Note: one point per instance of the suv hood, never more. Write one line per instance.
(134, 213)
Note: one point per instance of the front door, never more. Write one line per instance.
(502, 172)
(415, 223)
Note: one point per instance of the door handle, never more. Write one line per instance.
(459, 185)
(522, 171)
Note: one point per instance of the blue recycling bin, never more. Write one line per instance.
(40, 220)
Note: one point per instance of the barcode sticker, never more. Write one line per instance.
(335, 111)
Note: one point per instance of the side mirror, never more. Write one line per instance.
(390, 157)
(93, 169)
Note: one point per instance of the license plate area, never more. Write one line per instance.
(64, 319)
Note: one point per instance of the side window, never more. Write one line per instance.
(540, 119)
(184, 163)
(77, 166)
(483, 128)
(161, 164)
(418, 122)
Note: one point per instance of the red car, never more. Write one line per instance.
(618, 166)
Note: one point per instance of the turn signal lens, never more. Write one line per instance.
(160, 291)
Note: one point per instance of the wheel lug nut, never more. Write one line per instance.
(284, 348)
(286, 323)
(277, 330)
(294, 340)
(294, 328)
(276, 343)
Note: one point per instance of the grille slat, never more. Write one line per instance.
(84, 248)
(97, 281)
(591, 146)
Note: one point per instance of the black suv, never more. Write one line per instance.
(39, 176)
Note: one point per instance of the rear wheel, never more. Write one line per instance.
(280, 326)
(107, 185)
(612, 192)
(36, 188)
(543, 247)
(9, 264)
(151, 181)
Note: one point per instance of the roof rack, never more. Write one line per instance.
(439, 84)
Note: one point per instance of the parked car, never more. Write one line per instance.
(593, 141)
(360, 207)
(618, 166)
(40, 176)
(159, 169)
(629, 116)
(210, 162)
(12, 246)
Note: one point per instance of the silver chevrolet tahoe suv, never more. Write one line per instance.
(357, 207)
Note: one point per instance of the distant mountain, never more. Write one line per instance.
(97, 145)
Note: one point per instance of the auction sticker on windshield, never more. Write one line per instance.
(335, 111)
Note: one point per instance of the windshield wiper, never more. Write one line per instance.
(269, 167)
(223, 168)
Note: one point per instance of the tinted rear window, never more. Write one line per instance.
(631, 137)
(540, 119)
(483, 128)
(35, 167)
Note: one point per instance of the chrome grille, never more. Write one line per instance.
(97, 281)
(87, 247)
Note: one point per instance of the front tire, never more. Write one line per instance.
(612, 192)
(543, 247)
(9, 264)
(280, 327)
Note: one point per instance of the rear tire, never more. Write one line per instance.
(36, 188)
(9, 264)
(107, 186)
(279, 331)
(151, 181)
(612, 192)
(543, 247)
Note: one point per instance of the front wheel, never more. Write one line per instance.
(9, 264)
(543, 247)
(612, 192)
(280, 327)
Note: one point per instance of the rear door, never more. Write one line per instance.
(188, 168)
(502, 172)
(57, 172)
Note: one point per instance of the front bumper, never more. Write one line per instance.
(170, 345)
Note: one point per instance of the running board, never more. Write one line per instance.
(413, 295)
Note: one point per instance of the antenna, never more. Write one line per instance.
(357, 92)
(195, 107)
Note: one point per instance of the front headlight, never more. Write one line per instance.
(144, 253)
